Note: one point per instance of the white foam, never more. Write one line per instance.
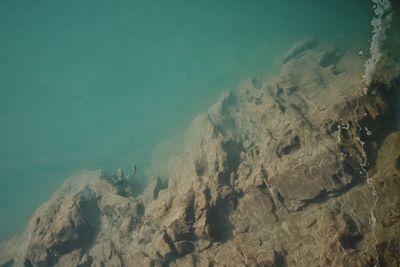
(380, 23)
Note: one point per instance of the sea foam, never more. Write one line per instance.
(380, 23)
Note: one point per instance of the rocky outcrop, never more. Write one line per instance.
(386, 180)
(296, 170)
(299, 47)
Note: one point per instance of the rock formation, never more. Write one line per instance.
(296, 170)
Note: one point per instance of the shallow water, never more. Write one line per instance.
(98, 84)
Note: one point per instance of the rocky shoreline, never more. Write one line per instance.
(301, 169)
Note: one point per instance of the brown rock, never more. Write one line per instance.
(164, 246)
(255, 209)
(40, 256)
(85, 261)
(298, 47)
(63, 226)
(152, 190)
(183, 247)
(186, 261)
(270, 176)
(180, 230)
(73, 258)
(387, 210)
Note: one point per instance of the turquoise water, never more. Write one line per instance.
(98, 84)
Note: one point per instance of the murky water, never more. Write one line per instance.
(98, 84)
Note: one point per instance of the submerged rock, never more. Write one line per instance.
(298, 47)
(275, 174)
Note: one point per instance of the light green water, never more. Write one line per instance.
(97, 84)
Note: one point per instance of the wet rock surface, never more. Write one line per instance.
(296, 170)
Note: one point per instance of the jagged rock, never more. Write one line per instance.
(299, 47)
(39, 255)
(202, 199)
(152, 190)
(164, 247)
(85, 261)
(64, 225)
(331, 126)
(110, 254)
(256, 208)
(304, 182)
(244, 171)
(331, 57)
(73, 258)
(180, 230)
(202, 228)
(272, 175)
(386, 180)
(288, 145)
(225, 192)
(202, 245)
(183, 247)
(349, 234)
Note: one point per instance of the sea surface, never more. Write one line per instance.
(97, 84)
